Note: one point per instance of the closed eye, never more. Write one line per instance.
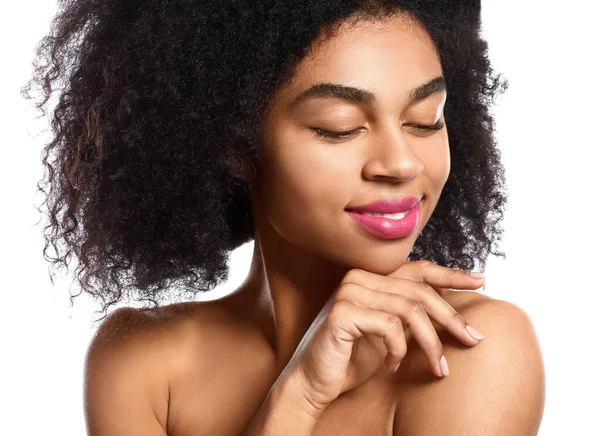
(437, 126)
(339, 135)
(329, 134)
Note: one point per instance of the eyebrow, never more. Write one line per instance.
(358, 95)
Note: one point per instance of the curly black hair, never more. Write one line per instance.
(158, 101)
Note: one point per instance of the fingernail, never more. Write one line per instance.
(444, 366)
(397, 366)
(477, 275)
(474, 333)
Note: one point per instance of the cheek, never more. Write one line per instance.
(439, 174)
(304, 191)
(436, 162)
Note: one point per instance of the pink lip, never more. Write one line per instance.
(388, 205)
(387, 228)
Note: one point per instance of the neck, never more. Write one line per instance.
(284, 291)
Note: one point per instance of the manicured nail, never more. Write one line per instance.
(474, 333)
(444, 366)
(477, 275)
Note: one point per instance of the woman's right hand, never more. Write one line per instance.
(342, 349)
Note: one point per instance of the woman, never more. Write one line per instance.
(187, 128)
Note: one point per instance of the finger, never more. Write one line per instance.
(350, 322)
(411, 313)
(437, 275)
(416, 317)
(436, 307)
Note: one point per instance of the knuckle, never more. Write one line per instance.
(393, 322)
(458, 316)
(400, 346)
(337, 312)
(424, 263)
(426, 288)
(339, 308)
(353, 276)
(401, 350)
(345, 292)
(415, 307)
(341, 292)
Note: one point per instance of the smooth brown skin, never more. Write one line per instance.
(207, 369)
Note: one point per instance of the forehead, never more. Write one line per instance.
(388, 57)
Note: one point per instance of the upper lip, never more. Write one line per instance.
(388, 205)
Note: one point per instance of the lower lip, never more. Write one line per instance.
(387, 228)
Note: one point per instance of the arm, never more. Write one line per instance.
(123, 392)
(284, 412)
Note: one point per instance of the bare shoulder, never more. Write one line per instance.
(127, 369)
(143, 365)
(496, 387)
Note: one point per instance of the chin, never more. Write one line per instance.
(382, 261)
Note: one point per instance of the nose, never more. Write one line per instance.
(391, 157)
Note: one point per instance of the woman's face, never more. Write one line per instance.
(307, 182)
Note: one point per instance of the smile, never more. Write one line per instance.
(388, 226)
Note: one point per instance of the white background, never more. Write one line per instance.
(547, 128)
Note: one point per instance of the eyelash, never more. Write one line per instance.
(338, 135)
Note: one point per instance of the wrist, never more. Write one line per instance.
(290, 393)
(282, 413)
